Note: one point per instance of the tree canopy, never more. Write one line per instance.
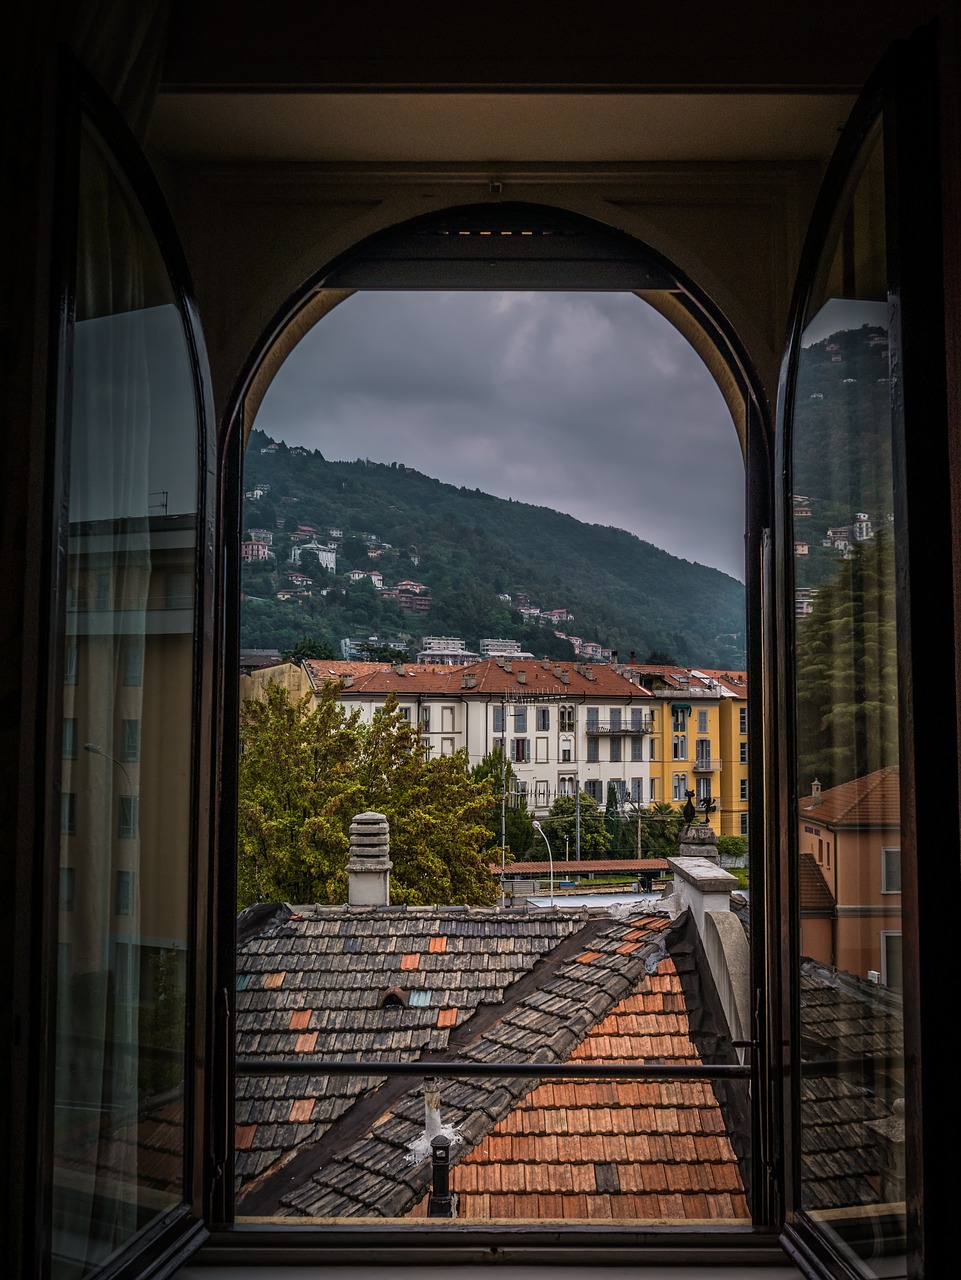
(306, 771)
(560, 826)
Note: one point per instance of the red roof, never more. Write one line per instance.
(585, 866)
(585, 1149)
(816, 897)
(524, 677)
(871, 801)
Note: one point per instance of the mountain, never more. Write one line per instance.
(469, 548)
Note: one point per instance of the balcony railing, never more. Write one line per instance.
(703, 764)
(644, 725)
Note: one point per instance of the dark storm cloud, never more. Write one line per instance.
(588, 403)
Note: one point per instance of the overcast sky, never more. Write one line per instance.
(589, 403)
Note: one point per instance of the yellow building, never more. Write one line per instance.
(699, 739)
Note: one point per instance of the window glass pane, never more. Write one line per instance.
(852, 1080)
(129, 423)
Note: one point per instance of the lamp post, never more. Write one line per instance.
(98, 751)
(550, 857)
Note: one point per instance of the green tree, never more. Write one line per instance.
(518, 823)
(847, 688)
(561, 827)
(305, 773)
(661, 827)
(298, 791)
(309, 647)
(731, 848)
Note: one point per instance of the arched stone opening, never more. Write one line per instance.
(511, 246)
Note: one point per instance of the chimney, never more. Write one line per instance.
(815, 794)
(632, 658)
(613, 657)
(398, 669)
(521, 677)
(565, 677)
(369, 864)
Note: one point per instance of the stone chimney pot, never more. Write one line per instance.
(369, 864)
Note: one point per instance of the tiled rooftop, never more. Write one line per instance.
(482, 985)
(871, 801)
(612, 1149)
(815, 894)
(852, 1032)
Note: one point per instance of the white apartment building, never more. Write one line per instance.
(327, 556)
(561, 725)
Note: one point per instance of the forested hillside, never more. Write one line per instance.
(469, 548)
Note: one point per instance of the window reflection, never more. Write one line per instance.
(130, 434)
(848, 812)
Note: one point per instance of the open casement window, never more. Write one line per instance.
(119, 1180)
(864, 485)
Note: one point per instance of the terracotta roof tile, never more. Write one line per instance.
(244, 1136)
(302, 1109)
(306, 1042)
(438, 944)
(300, 1019)
(446, 1017)
(410, 961)
(274, 980)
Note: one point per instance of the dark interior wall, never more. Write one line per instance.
(434, 44)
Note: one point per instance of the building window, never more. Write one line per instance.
(129, 740)
(679, 719)
(541, 749)
(679, 747)
(742, 758)
(521, 750)
(543, 719)
(637, 790)
(520, 719)
(404, 713)
(702, 753)
(678, 786)
(127, 807)
(71, 662)
(702, 789)
(593, 787)
(425, 719)
(743, 791)
(593, 755)
(67, 882)
(70, 738)
(565, 785)
(891, 962)
(498, 723)
(890, 870)
(565, 755)
(615, 719)
(566, 715)
(615, 750)
(132, 660)
(620, 789)
(637, 748)
(742, 712)
(744, 824)
(447, 746)
(653, 751)
(447, 719)
(540, 795)
(123, 894)
(68, 813)
(593, 719)
(498, 745)
(701, 721)
(654, 788)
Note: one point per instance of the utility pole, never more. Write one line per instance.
(577, 819)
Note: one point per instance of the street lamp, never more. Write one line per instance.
(98, 751)
(550, 857)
